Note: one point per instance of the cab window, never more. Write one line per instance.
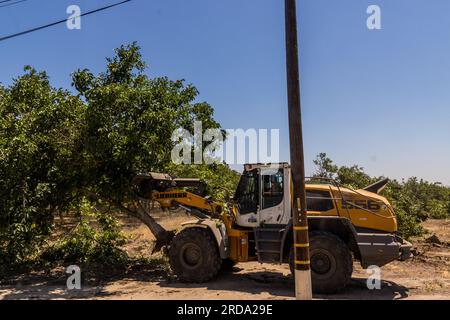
(272, 189)
(247, 193)
(319, 200)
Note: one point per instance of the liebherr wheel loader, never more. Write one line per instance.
(256, 225)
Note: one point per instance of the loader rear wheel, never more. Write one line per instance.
(331, 262)
(194, 255)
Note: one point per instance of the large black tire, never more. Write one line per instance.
(194, 255)
(331, 262)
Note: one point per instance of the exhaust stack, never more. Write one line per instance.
(377, 187)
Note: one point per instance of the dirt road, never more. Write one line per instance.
(427, 276)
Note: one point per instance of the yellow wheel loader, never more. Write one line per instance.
(256, 225)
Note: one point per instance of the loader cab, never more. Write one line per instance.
(263, 195)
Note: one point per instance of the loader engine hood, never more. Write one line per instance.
(369, 210)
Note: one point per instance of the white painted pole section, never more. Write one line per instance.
(303, 286)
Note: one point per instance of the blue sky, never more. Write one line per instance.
(380, 98)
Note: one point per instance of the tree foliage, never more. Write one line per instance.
(129, 121)
(39, 144)
(221, 180)
(58, 148)
(95, 239)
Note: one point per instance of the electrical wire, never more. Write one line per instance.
(11, 4)
(60, 21)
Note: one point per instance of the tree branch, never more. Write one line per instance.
(163, 237)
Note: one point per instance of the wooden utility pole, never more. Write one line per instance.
(303, 287)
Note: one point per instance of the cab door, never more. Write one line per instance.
(247, 199)
(272, 204)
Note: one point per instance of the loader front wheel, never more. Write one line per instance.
(194, 255)
(331, 262)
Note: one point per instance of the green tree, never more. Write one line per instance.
(324, 167)
(57, 149)
(39, 144)
(353, 176)
(221, 180)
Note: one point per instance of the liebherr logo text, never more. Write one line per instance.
(171, 195)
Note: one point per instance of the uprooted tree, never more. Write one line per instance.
(58, 148)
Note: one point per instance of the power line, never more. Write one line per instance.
(60, 21)
(10, 4)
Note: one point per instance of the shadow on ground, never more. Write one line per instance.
(282, 286)
(276, 284)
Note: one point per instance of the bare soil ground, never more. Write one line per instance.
(426, 276)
